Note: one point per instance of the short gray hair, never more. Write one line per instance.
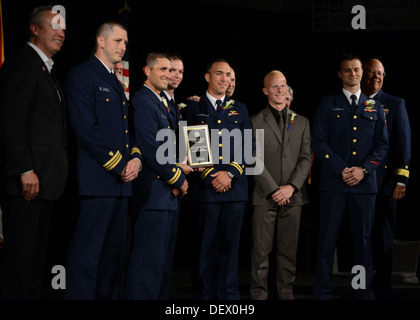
(37, 16)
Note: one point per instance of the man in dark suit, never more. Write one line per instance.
(279, 189)
(219, 192)
(34, 158)
(107, 161)
(392, 175)
(350, 139)
(156, 193)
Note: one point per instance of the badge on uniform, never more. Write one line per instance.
(104, 89)
(369, 106)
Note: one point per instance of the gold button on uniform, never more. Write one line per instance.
(354, 140)
(354, 128)
(355, 117)
(219, 121)
(327, 156)
(354, 153)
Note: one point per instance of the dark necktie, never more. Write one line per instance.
(353, 104)
(219, 106)
(281, 123)
(172, 105)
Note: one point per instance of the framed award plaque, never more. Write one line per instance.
(197, 142)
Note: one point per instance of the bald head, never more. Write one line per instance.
(273, 73)
(275, 88)
(373, 76)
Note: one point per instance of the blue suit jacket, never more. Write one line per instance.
(235, 117)
(396, 167)
(98, 112)
(161, 173)
(344, 138)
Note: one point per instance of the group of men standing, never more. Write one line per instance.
(120, 176)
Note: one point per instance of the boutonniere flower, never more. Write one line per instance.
(292, 120)
(166, 104)
(228, 104)
(181, 106)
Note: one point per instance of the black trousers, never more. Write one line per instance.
(26, 230)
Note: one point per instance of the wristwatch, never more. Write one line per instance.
(365, 171)
(231, 175)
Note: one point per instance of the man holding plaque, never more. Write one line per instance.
(155, 199)
(220, 191)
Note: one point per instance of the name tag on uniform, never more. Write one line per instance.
(202, 115)
(163, 116)
(104, 89)
(337, 109)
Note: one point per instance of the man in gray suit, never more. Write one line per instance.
(279, 190)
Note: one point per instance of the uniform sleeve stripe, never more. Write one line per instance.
(402, 172)
(112, 163)
(175, 177)
(135, 150)
(237, 166)
(205, 173)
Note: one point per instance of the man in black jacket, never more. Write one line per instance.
(34, 160)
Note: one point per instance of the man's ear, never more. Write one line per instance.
(265, 91)
(146, 71)
(207, 77)
(100, 41)
(34, 29)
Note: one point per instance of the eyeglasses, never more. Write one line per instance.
(380, 74)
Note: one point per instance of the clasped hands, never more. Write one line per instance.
(131, 170)
(283, 194)
(352, 176)
(221, 181)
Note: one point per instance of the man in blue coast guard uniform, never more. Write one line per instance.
(176, 76)
(350, 139)
(219, 192)
(392, 175)
(107, 161)
(156, 192)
